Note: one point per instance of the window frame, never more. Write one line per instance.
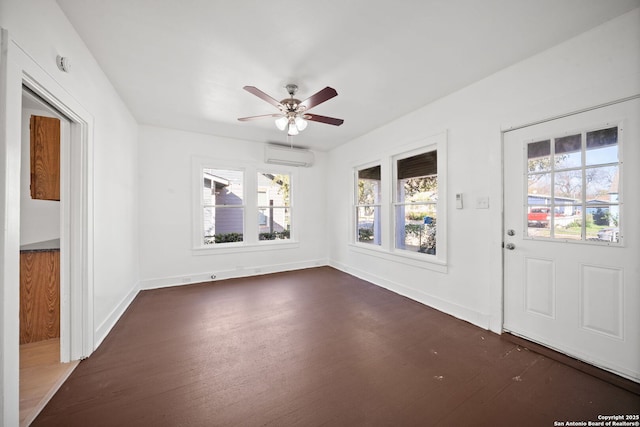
(583, 167)
(259, 207)
(395, 203)
(359, 205)
(250, 242)
(242, 207)
(386, 250)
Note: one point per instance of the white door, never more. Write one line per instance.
(572, 236)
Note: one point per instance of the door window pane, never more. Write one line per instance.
(539, 188)
(605, 223)
(539, 156)
(568, 151)
(602, 146)
(602, 184)
(568, 186)
(576, 196)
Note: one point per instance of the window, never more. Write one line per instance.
(241, 207)
(415, 202)
(573, 187)
(368, 207)
(399, 205)
(223, 206)
(274, 208)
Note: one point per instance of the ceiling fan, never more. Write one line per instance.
(293, 114)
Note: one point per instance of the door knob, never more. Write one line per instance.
(510, 246)
(511, 233)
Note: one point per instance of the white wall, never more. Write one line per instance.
(167, 204)
(599, 66)
(38, 30)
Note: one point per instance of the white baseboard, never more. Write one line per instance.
(464, 313)
(105, 327)
(189, 279)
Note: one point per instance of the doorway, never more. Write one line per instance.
(19, 71)
(41, 228)
(572, 235)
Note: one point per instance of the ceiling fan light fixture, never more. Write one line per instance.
(301, 123)
(282, 122)
(293, 129)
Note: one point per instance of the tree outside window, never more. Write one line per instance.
(416, 197)
(368, 205)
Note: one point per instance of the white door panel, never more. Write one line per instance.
(572, 236)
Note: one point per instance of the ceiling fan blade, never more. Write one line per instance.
(263, 116)
(324, 119)
(260, 94)
(318, 98)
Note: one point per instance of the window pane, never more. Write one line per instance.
(602, 223)
(602, 146)
(539, 188)
(539, 221)
(416, 228)
(225, 186)
(539, 156)
(418, 189)
(567, 221)
(273, 189)
(369, 186)
(568, 151)
(223, 225)
(274, 223)
(368, 224)
(584, 202)
(223, 210)
(568, 186)
(423, 164)
(602, 184)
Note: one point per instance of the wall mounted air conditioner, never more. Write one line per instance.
(290, 156)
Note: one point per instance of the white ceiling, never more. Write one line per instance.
(182, 64)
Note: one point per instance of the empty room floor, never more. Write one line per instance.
(316, 347)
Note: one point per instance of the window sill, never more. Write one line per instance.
(230, 248)
(427, 262)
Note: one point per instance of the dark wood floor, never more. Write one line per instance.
(316, 347)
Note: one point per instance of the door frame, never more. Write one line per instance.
(18, 69)
(503, 133)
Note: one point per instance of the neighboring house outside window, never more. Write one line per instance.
(274, 207)
(223, 206)
(241, 206)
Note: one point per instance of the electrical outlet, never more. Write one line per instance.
(482, 203)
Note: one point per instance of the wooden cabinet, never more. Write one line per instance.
(45, 158)
(39, 295)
